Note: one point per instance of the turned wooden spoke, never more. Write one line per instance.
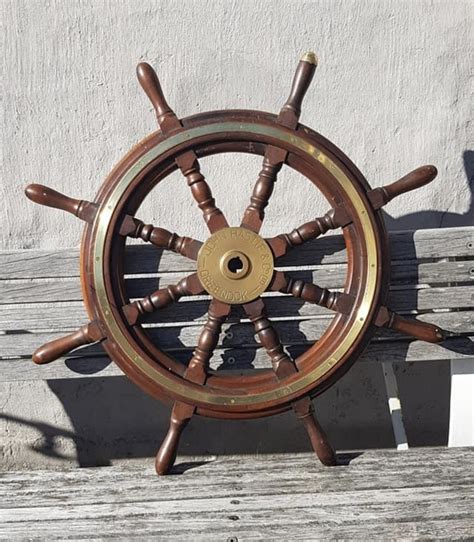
(53, 350)
(416, 179)
(334, 218)
(275, 156)
(162, 298)
(132, 227)
(213, 216)
(85, 210)
(281, 362)
(187, 162)
(263, 189)
(207, 342)
(304, 410)
(311, 293)
(196, 372)
(422, 331)
(284, 367)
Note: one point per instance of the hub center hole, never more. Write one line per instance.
(235, 265)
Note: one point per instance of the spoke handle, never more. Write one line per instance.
(301, 81)
(166, 455)
(157, 300)
(43, 195)
(60, 347)
(319, 440)
(423, 331)
(413, 180)
(150, 83)
(208, 340)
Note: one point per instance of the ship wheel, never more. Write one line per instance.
(235, 265)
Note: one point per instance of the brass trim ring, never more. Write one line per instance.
(201, 395)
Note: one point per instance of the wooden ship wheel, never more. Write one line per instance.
(235, 265)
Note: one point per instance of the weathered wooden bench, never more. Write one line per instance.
(385, 495)
(432, 275)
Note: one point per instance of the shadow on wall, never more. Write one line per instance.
(113, 419)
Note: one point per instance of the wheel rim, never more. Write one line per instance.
(307, 152)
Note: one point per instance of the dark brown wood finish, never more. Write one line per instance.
(413, 180)
(53, 350)
(162, 298)
(187, 162)
(85, 210)
(276, 156)
(196, 372)
(311, 293)
(161, 238)
(284, 366)
(285, 371)
(413, 328)
(333, 219)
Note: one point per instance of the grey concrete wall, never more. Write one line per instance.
(392, 91)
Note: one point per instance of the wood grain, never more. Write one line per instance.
(405, 246)
(424, 493)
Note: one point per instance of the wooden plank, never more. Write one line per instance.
(405, 245)
(66, 316)
(327, 276)
(232, 497)
(289, 469)
(292, 332)
(234, 359)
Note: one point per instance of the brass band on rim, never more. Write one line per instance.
(201, 395)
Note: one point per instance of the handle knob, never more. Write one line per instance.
(43, 195)
(151, 85)
(301, 81)
(413, 180)
(422, 331)
(60, 347)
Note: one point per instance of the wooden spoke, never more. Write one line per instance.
(274, 156)
(188, 161)
(281, 362)
(414, 328)
(213, 216)
(161, 238)
(207, 342)
(263, 189)
(196, 372)
(311, 293)
(284, 367)
(181, 413)
(162, 298)
(416, 179)
(53, 350)
(281, 244)
(304, 410)
(85, 210)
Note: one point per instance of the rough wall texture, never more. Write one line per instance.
(392, 90)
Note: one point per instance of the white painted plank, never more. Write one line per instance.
(461, 416)
(394, 406)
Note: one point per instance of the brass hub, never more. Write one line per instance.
(235, 265)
